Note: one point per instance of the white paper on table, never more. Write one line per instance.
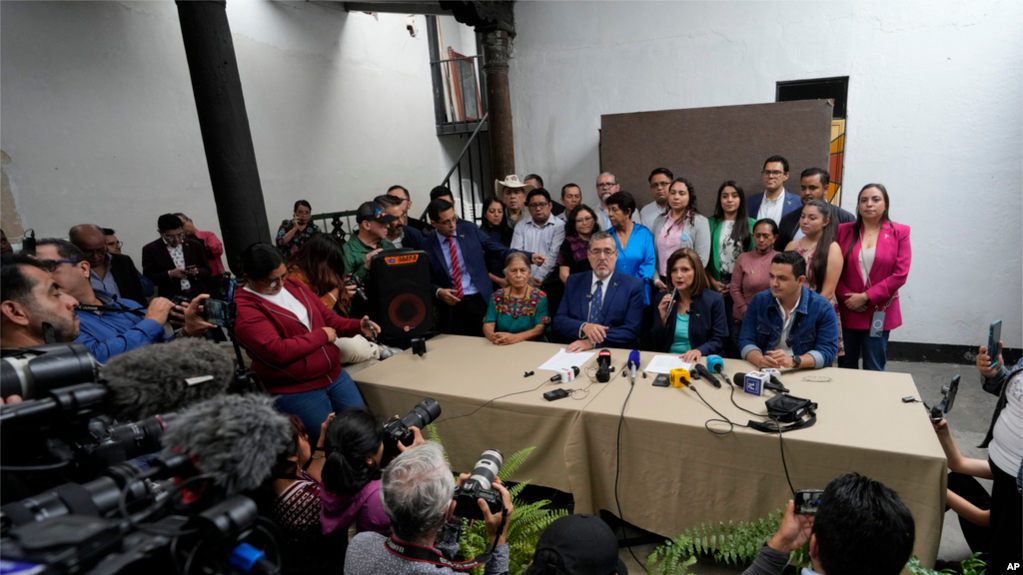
(666, 363)
(566, 360)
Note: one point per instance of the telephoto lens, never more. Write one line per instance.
(479, 486)
(421, 415)
(33, 371)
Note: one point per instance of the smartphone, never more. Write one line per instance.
(661, 380)
(994, 335)
(218, 312)
(808, 501)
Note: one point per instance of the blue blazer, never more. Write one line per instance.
(792, 202)
(708, 324)
(474, 244)
(623, 309)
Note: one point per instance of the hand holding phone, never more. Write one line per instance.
(994, 343)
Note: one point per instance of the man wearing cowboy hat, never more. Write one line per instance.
(513, 193)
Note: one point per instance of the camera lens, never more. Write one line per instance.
(42, 368)
(486, 469)
(422, 414)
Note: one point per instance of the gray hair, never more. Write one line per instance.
(416, 490)
(597, 236)
(607, 174)
(513, 257)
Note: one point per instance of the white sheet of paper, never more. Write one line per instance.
(565, 360)
(666, 363)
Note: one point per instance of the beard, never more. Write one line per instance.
(67, 330)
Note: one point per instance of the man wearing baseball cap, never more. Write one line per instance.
(576, 545)
(369, 241)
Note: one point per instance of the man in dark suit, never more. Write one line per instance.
(458, 271)
(603, 307)
(813, 184)
(176, 264)
(112, 273)
(775, 201)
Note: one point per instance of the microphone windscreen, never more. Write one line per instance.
(235, 439)
(634, 358)
(739, 379)
(165, 377)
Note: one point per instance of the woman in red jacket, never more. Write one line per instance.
(877, 257)
(289, 334)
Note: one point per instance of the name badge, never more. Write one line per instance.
(684, 237)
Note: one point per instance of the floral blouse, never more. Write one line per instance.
(298, 240)
(516, 315)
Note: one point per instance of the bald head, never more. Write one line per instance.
(90, 239)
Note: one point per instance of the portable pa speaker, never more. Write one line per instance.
(403, 300)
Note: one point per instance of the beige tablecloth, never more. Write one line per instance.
(674, 472)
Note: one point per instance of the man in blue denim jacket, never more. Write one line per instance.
(789, 325)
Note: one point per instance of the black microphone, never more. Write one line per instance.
(234, 439)
(703, 371)
(557, 377)
(165, 377)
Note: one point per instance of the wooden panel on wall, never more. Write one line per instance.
(708, 146)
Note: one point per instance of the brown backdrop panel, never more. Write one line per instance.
(708, 146)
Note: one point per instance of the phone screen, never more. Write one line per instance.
(216, 311)
(808, 500)
(994, 336)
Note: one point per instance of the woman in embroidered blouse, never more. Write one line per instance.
(681, 226)
(296, 503)
(579, 226)
(295, 232)
(518, 312)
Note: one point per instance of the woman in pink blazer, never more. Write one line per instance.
(877, 256)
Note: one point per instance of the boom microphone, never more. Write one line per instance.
(234, 439)
(633, 364)
(165, 377)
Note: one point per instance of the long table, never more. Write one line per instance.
(674, 472)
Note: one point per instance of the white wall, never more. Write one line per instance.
(934, 113)
(100, 125)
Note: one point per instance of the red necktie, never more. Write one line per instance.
(456, 271)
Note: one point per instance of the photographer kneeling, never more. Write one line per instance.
(417, 490)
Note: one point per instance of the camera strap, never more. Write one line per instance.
(413, 552)
(111, 309)
(785, 408)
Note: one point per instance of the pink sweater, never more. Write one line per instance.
(750, 276)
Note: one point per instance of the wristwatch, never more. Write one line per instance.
(796, 360)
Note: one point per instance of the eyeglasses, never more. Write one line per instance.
(607, 185)
(50, 265)
(276, 281)
(179, 236)
(114, 244)
(772, 173)
(606, 251)
(538, 205)
(90, 254)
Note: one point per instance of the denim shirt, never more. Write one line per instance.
(814, 329)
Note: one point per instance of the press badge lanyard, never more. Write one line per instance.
(877, 321)
(422, 554)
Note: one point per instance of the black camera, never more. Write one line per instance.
(948, 393)
(113, 444)
(421, 415)
(478, 486)
(32, 371)
(360, 288)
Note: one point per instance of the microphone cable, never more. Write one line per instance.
(723, 418)
(618, 468)
(543, 383)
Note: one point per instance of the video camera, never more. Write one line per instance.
(421, 415)
(948, 398)
(32, 371)
(478, 486)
